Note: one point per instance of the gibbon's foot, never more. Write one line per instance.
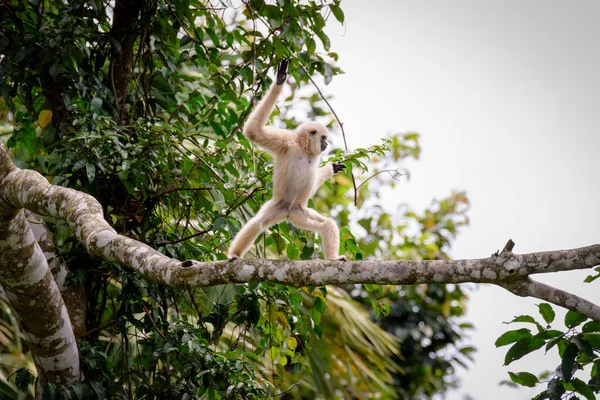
(340, 258)
(337, 167)
(233, 257)
(282, 71)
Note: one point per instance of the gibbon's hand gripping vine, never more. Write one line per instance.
(296, 175)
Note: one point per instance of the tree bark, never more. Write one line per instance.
(34, 295)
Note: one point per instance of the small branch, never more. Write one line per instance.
(389, 171)
(182, 189)
(508, 247)
(530, 288)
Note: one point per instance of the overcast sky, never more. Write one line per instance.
(506, 97)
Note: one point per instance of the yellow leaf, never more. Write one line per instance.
(292, 343)
(282, 319)
(44, 118)
(283, 360)
(278, 317)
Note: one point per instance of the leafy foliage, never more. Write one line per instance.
(578, 347)
(141, 104)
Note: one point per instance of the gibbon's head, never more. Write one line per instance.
(312, 137)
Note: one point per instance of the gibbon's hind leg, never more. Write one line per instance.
(268, 215)
(305, 218)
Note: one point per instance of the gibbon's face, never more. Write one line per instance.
(314, 137)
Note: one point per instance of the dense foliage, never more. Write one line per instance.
(578, 345)
(141, 104)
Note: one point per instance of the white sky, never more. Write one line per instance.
(506, 97)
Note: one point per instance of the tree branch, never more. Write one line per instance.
(529, 287)
(28, 189)
(34, 295)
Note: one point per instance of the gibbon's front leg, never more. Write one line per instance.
(306, 218)
(256, 130)
(268, 215)
(327, 172)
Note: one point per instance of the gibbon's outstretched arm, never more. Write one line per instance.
(255, 130)
(327, 172)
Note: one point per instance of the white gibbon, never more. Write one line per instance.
(296, 176)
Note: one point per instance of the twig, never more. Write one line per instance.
(389, 171)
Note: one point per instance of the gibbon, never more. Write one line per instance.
(296, 176)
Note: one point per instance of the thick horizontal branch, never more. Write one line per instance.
(28, 189)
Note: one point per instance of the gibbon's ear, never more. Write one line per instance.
(282, 72)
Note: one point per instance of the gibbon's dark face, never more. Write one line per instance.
(319, 137)
(323, 142)
(315, 136)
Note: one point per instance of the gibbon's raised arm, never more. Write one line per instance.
(255, 130)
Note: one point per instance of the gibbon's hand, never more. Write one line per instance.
(282, 71)
(337, 167)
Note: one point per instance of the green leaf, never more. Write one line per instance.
(324, 39)
(549, 334)
(327, 73)
(219, 223)
(572, 319)
(591, 278)
(318, 331)
(337, 13)
(296, 300)
(90, 171)
(512, 336)
(524, 318)
(583, 345)
(96, 104)
(555, 389)
(591, 326)
(522, 347)
(524, 378)
(320, 305)
(568, 360)
(593, 339)
(307, 252)
(553, 343)
(55, 69)
(24, 378)
(77, 388)
(98, 389)
(251, 356)
(292, 251)
(583, 389)
(547, 312)
(185, 39)
(274, 353)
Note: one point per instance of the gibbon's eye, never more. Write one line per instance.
(313, 132)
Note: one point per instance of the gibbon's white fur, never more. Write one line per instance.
(296, 176)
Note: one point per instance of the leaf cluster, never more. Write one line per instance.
(578, 347)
